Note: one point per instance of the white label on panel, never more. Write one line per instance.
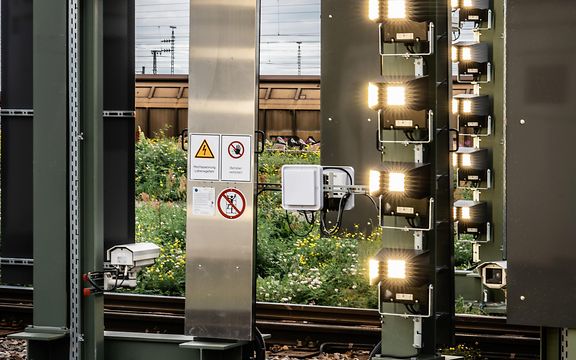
(404, 123)
(203, 201)
(236, 153)
(204, 154)
(405, 297)
(405, 36)
(405, 210)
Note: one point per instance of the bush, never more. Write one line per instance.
(160, 169)
(306, 270)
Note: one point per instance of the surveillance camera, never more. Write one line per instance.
(133, 255)
(494, 274)
(128, 260)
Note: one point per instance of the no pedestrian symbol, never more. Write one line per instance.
(231, 203)
(236, 149)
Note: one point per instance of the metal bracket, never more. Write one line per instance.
(354, 189)
(16, 112)
(407, 142)
(119, 113)
(16, 261)
(406, 228)
(431, 41)
(405, 315)
(488, 76)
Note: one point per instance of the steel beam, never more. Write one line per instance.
(92, 170)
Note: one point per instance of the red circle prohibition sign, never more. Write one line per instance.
(231, 203)
(236, 149)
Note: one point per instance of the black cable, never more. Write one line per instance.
(373, 203)
(289, 223)
(336, 228)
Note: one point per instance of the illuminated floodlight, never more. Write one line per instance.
(396, 9)
(374, 184)
(396, 269)
(396, 95)
(396, 182)
(404, 180)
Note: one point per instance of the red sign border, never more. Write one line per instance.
(240, 211)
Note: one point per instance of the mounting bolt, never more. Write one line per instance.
(522, 297)
(522, 121)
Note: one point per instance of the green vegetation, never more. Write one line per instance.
(307, 270)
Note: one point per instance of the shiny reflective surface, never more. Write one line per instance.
(222, 100)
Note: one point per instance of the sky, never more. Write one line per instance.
(284, 23)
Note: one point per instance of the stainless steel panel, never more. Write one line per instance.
(540, 111)
(223, 100)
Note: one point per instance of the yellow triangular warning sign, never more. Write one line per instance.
(204, 152)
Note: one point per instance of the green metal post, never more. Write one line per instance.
(50, 159)
(50, 190)
(92, 225)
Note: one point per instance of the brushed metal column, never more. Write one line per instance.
(222, 100)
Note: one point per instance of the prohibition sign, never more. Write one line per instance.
(236, 149)
(231, 203)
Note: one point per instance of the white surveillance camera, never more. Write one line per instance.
(133, 255)
(494, 274)
(128, 260)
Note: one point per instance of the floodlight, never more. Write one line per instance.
(403, 274)
(472, 158)
(402, 180)
(472, 164)
(476, 11)
(401, 104)
(374, 271)
(396, 182)
(396, 269)
(389, 11)
(473, 111)
(472, 217)
(473, 59)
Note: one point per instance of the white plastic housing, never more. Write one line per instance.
(140, 254)
(302, 187)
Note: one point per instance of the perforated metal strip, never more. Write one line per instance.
(74, 177)
(564, 344)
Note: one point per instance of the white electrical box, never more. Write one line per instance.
(339, 176)
(302, 187)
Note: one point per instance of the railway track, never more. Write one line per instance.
(307, 326)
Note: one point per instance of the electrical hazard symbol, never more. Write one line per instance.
(231, 203)
(204, 152)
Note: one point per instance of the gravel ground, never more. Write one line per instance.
(351, 355)
(16, 350)
(12, 349)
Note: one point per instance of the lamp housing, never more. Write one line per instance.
(402, 274)
(401, 180)
(472, 164)
(472, 217)
(472, 58)
(472, 110)
(476, 11)
(402, 104)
